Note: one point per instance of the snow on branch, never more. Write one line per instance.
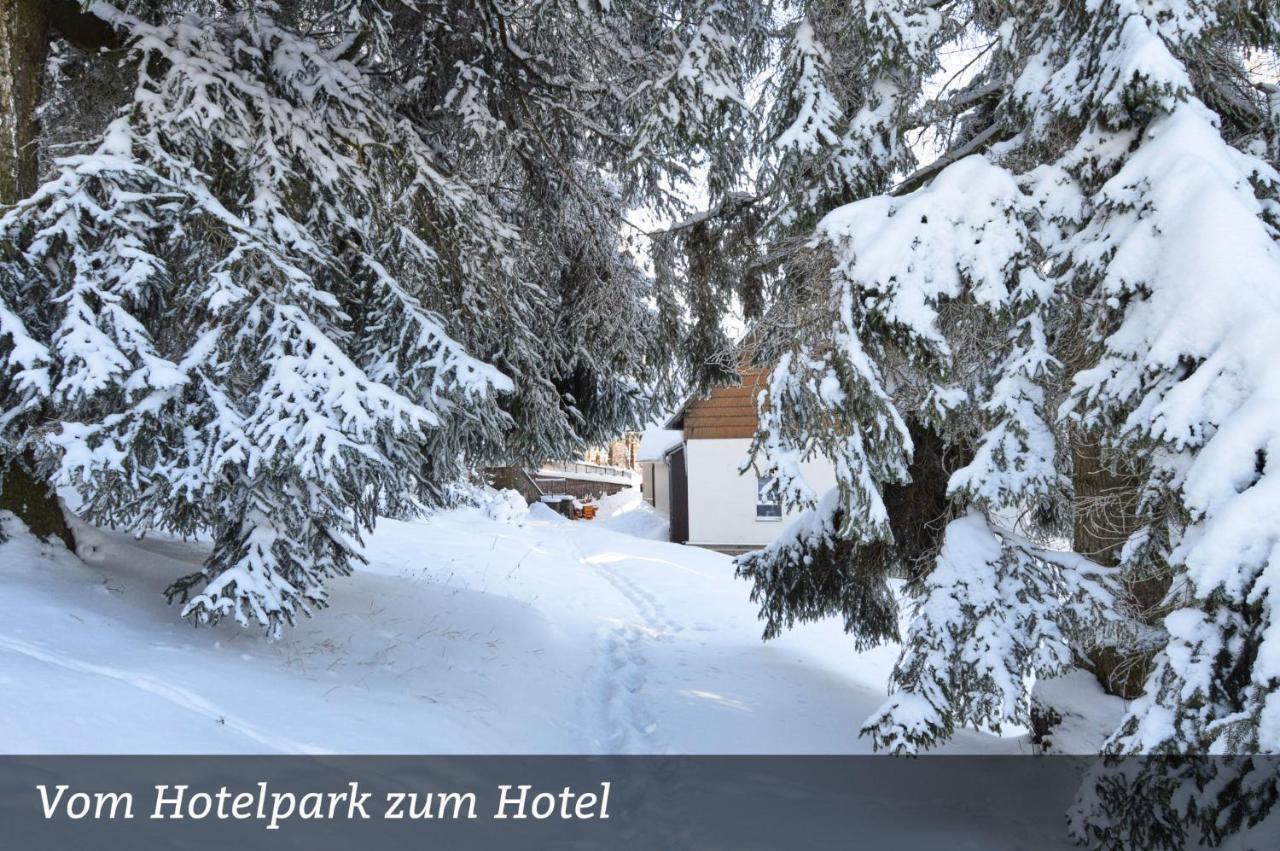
(256, 187)
(994, 612)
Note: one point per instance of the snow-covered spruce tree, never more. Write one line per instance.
(938, 311)
(24, 35)
(834, 130)
(251, 306)
(1079, 290)
(844, 77)
(214, 315)
(1180, 252)
(570, 115)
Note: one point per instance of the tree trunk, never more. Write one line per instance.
(24, 46)
(1105, 516)
(919, 510)
(1104, 503)
(35, 503)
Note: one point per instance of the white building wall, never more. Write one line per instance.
(662, 488)
(657, 485)
(722, 503)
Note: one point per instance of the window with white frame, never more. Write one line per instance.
(768, 506)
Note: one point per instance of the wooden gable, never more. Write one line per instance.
(729, 412)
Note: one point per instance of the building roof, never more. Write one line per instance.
(676, 420)
(655, 442)
(725, 412)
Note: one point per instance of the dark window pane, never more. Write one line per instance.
(767, 504)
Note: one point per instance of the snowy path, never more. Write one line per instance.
(462, 635)
(628, 726)
(684, 669)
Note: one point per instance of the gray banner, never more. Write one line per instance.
(548, 802)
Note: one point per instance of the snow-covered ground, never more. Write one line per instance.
(465, 633)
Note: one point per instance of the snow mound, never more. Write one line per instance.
(546, 514)
(507, 506)
(628, 513)
(1077, 713)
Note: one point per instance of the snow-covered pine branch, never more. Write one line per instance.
(221, 328)
(834, 126)
(570, 116)
(993, 611)
(1181, 251)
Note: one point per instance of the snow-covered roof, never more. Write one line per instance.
(655, 442)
